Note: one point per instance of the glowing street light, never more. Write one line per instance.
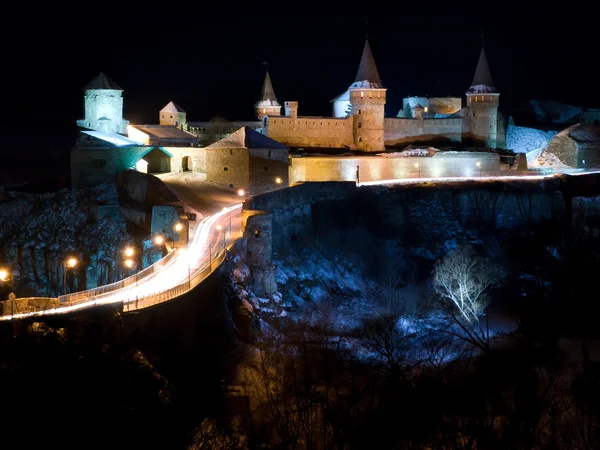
(3, 274)
(129, 263)
(69, 264)
(178, 227)
(129, 252)
(241, 192)
(158, 240)
(219, 227)
(478, 164)
(419, 169)
(278, 180)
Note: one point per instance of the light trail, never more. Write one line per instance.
(175, 272)
(474, 178)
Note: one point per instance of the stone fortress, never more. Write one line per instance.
(281, 145)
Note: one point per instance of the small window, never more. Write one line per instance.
(360, 139)
(171, 117)
(378, 94)
(482, 98)
(425, 109)
(256, 234)
(231, 152)
(359, 124)
(370, 94)
(266, 168)
(362, 94)
(225, 169)
(354, 94)
(359, 111)
(264, 110)
(269, 153)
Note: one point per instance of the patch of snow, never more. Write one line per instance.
(527, 140)
(429, 151)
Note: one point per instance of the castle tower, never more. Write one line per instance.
(367, 100)
(103, 103)
(291, 109)
(482, 106)
(173, 114)
(268, 104)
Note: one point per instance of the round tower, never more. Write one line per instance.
(482, 107)
(267, 105)
(367, 102)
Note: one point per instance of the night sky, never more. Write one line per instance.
(210, 63)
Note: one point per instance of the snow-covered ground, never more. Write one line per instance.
(526, 140)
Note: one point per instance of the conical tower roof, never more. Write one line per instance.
(367, 75)
(102, 82)
(482, 82)
(172, 108)
(267, 96)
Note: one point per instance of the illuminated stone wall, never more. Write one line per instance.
(228, 166)
(266, 166)
(375, 168)
(368, 114)
(105, 104)
(481, 119)
(404, 131)
(311, 131)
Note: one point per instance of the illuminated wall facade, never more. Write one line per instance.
(104, 111)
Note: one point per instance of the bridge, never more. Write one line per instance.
(180, 271)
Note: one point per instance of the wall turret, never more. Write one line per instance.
(267, 105)
(481, 121)
(291, 109)
(367, 99)
(103, 104)
(173, 114)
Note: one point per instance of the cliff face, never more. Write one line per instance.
(39, 232)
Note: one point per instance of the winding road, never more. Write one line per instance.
(217, 227)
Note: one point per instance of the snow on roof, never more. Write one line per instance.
(172, 108)
(527, 140)
(418, 106)
(482, 81)
(246, 137)
(584, 133)
(102, 81)
(164, 131)
(365, 84)
(113, 138)
(429, 151)
(367, 70)
(267, 94)
(344, 96)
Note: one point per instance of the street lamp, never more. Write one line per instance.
(4, 275)
(158, 240)
(129, 263)
(178, 227)
(241, 192)
(419, 169)
(70, 263)
(278, 180)
(129, 252)
(478, 164)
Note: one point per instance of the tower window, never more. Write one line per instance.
(359, 111)
(360, 139)
(476, 99)
(362, 94)
(171, 117)
(354, 94)
(359, 124)
(225, 169)
(269, 153)
(482, 99)
(425, 109)
(370, 94)
(264, 110)
(256, 234)
(266, 168)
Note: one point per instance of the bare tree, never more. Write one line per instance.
(461, 280)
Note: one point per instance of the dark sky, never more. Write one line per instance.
(209, 62)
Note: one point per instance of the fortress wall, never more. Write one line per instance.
(399, 131)
(197, 155)
(228, 166)
(311, 131)
(444, 105)
(375, 168)
(265, 167)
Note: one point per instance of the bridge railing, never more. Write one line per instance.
(220, 237)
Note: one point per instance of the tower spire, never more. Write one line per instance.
(482, 81)
(367, 75)
(268, 94)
